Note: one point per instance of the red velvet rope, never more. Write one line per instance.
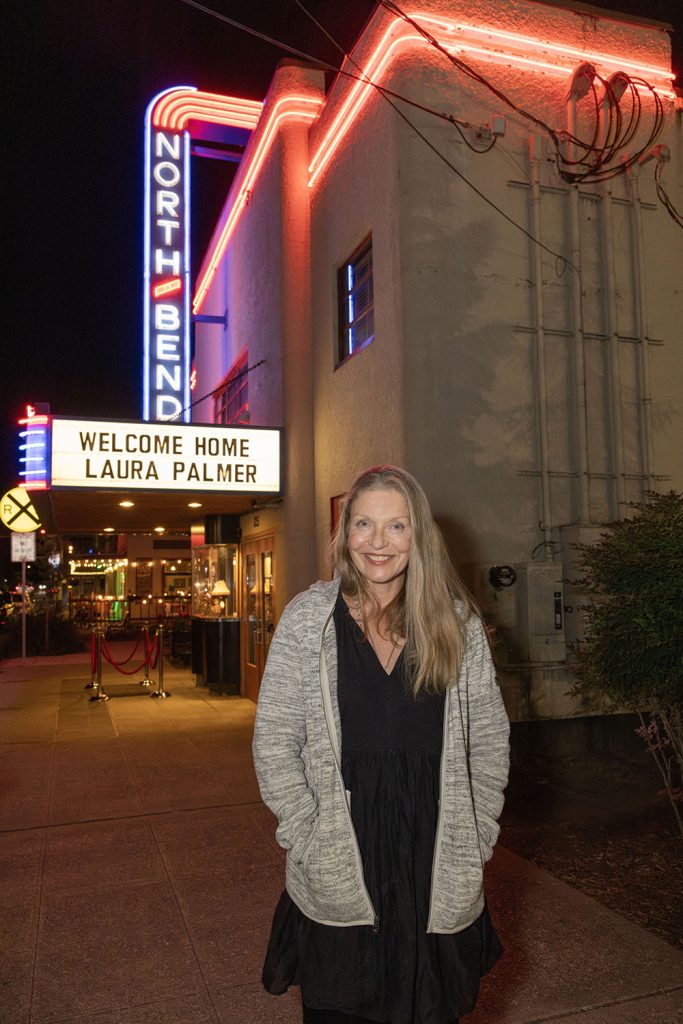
(93, 652)
(126, 660)
(126, 672)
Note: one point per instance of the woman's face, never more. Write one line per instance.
(379, 539)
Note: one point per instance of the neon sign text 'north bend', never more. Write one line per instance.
(166, 292)
(166, 276)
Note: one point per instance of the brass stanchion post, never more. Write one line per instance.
(99, 692)
(93, 661)
(161, 692)
(148, 650)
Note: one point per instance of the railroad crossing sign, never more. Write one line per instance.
(18, 512)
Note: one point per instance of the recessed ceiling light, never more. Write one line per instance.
(194, 504)
(160, 529)
(126, 504)
(108, 529)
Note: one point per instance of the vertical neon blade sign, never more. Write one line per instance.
(166, 290)
(34, 450)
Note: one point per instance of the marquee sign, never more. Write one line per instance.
(166, 298)
(129, 455)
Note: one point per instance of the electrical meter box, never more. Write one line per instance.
(540, 612)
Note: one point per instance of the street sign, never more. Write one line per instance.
(18, 512)
(23, 547)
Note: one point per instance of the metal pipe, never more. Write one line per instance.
(613, 348)
(539, 318)
(613, 364)
(578, 348)
(641, 329)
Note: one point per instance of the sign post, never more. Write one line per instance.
(18, 513)
(23, 550)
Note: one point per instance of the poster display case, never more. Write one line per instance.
(215, 619)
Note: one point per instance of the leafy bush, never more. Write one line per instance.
(632, 651)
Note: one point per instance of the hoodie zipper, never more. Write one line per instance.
(439, 821)
(334, 742)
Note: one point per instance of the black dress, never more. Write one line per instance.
(391, 750)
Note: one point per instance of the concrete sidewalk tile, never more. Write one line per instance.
(656, 1009)
(24, 797)
(101, 948)
(173, 787)
(252, 1003)
(243, 790)
(189, 1009)
(218, 840)
(21, 862)
(563, 950)
(18, 924)
(105, 791)
(155, 751)
(250, 892)
(230, 937)
(34, 725)
(86, 750)
(103, 854)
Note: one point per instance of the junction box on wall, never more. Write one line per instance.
(539, 602)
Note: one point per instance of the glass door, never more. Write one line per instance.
(258, 610)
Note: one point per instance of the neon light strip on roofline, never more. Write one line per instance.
(288, 108)
(620, 63)
(175, 108)
(399, 32)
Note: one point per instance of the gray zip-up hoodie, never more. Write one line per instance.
(297, 754)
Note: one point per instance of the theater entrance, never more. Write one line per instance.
(258, 618)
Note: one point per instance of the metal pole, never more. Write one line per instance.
(23, 609)
(161, 692)
(145, 638)
(93, 665)
(99, 692)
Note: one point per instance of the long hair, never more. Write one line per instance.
(433, 606)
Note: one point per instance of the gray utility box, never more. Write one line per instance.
(539, 600)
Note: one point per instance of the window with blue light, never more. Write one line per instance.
(356, 302)
(231, 398)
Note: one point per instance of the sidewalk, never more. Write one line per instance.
(139, 873)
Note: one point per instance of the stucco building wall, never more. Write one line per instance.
(532, 389)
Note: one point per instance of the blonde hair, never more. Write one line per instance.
(424, 612)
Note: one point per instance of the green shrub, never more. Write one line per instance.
(632, 651)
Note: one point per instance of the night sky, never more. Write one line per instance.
(81, 74)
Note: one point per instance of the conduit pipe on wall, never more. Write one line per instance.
(642, 329)
(613, 364)
(535, 144)
(578, 348)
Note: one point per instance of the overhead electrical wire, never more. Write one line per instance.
(592, 164)
(561, 261)
(664, 197)
(588, 170)
(326, 66)
(209, 394)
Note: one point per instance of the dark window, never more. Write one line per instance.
(231, 401)
(356, 306)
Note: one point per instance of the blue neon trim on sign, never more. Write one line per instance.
(166, 271)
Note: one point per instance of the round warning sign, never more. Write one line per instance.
(18, 512)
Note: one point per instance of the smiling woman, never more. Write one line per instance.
(381, 745)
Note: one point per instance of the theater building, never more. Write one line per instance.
(462, 258)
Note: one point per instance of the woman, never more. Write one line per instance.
(381, 745)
